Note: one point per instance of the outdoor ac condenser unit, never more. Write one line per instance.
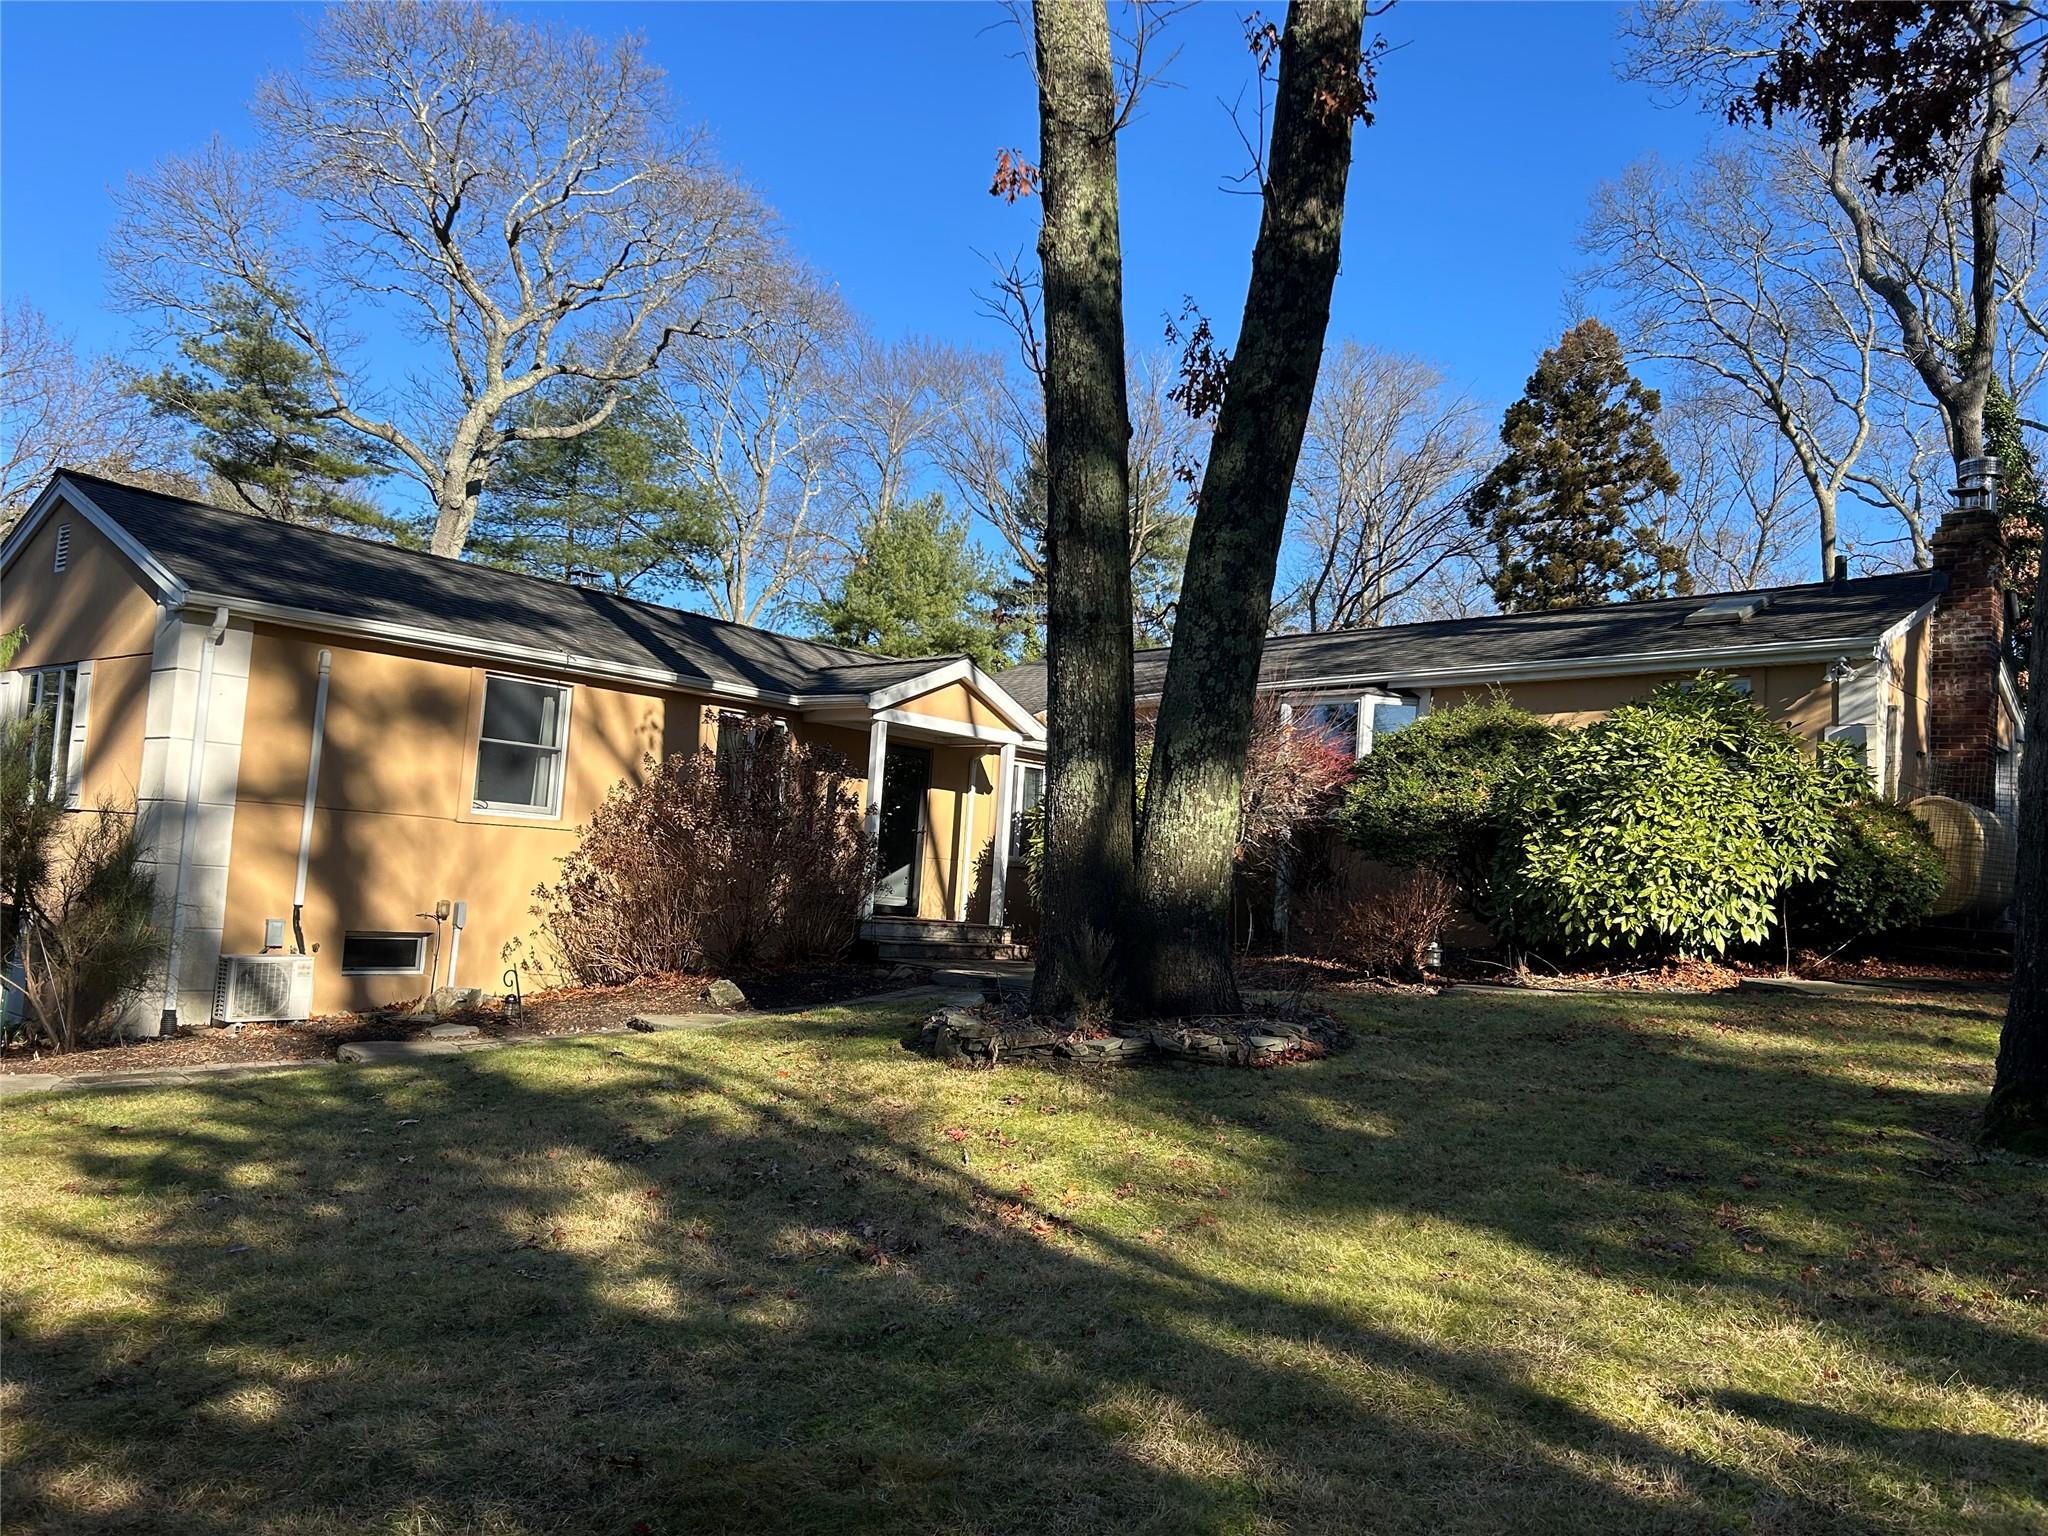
(263, 987)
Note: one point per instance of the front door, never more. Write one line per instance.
(899, 847)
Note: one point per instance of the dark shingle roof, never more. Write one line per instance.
(234, 556)
(1853, 613)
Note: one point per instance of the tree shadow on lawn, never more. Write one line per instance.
(760, 1284)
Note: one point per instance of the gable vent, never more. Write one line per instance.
(63, 547)
(1733, 609)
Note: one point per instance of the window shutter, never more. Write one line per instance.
(74, 761)
(13, 690)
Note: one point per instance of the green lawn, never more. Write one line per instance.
(1551, 1264)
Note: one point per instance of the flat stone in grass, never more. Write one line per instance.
(370, 1053)
(453, 1032)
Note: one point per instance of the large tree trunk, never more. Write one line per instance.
(1205, 712)
(1085, 877)
(2018, 1112)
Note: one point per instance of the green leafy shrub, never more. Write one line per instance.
(1673, 823)
(752, 856)
(1438, 792)
(1886, 873)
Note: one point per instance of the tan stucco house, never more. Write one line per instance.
(334, 746)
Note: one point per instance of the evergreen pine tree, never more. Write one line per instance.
(248, 393)
(1563, 507)
(917, 587)
(609, 507)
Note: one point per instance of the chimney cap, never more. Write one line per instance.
(1977, 484)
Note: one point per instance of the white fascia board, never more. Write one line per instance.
(447, 642)
(1592, 666)
(961, 670)
(63, 489)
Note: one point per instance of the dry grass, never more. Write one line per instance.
(1531, 1264)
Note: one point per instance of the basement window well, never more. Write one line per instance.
(383, 954)
(519, 753)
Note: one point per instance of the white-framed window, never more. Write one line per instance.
(383, 954)
(55, 701)
(521, 747)
(1030, 791)
(1353, 725)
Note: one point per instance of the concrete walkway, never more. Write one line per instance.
(369, 1053)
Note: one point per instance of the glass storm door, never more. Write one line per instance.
(906, 775)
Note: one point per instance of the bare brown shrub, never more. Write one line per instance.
(748, 858)
(1385, 920)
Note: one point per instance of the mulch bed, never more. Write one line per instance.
(563, 1011)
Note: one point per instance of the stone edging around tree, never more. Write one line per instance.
(982, 1037)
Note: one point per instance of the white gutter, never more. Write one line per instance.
(312, 786)
(194, 764)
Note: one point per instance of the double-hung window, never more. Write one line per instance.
(519, 753)
(54, 700)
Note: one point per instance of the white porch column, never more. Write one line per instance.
(878, 759)
(963, 851)
(999, 850)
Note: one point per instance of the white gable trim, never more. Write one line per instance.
(64, 490)
(960, 670)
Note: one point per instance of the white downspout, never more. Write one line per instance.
(312, 787)
(202, 708)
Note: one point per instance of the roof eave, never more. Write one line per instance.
(1629, 664)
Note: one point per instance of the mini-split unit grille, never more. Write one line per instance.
(263, 987)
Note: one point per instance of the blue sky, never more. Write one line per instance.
(873, 128)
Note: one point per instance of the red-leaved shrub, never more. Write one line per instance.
(749, 857)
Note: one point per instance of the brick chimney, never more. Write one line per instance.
(1968, 641)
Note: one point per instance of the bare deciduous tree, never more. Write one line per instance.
(60, 409)
(898, 402)
(508, 195)
(994, 457)
(1732, 275)
(1378, 497)
(759, 413)
(1723, 55)
(1742, 508)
